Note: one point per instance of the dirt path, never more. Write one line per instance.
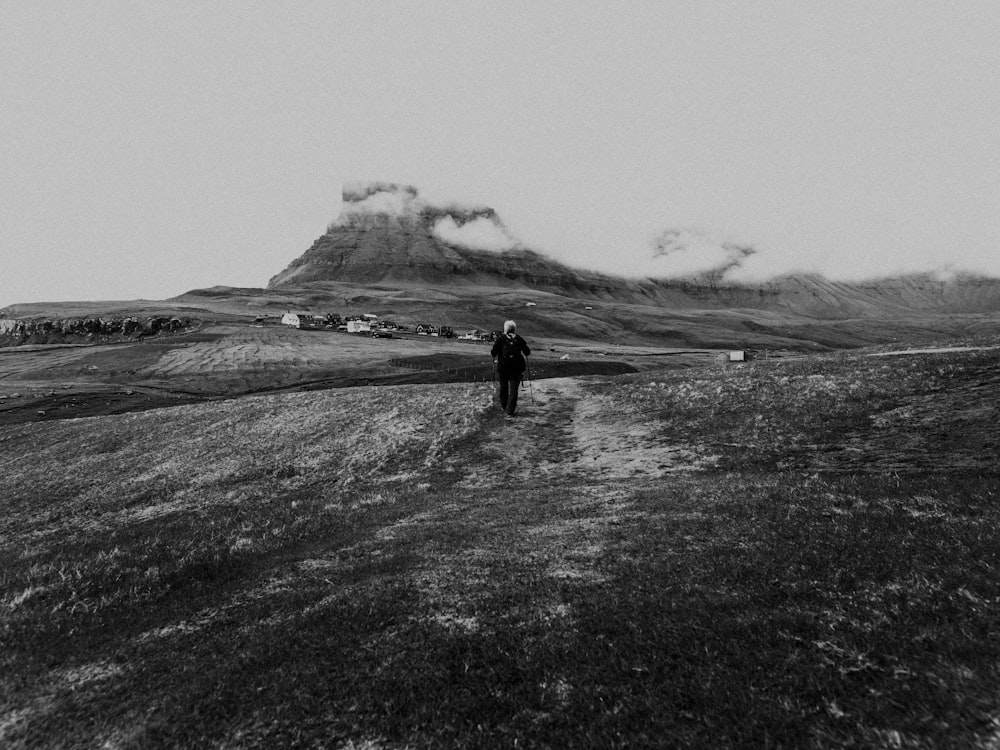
(548, 489)
(564, 429)
(933, 350)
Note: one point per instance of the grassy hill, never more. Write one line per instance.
(800, 552)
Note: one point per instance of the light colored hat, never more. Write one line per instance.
(509, 326)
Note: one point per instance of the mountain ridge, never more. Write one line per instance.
(386, 234)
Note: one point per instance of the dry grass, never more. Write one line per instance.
(797, 554)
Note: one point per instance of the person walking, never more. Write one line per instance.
(509, 352)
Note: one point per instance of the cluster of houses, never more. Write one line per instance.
(372, 325)
(131, 326)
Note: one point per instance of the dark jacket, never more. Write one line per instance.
(518, 363)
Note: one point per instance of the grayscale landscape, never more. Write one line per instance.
(725, 515)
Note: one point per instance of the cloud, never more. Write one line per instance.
(372, 198)
(688, 253)
(474, 227)
(480, 233)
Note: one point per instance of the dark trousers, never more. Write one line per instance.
(509, 383)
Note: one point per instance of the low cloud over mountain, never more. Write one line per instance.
(480, 233)
(682, 253)
(387, 203)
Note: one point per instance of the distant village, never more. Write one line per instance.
(373, 325)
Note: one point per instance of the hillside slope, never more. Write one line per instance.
(689, 555)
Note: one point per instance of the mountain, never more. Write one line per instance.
(387, 235)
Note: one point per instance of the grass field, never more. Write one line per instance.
(225, 360)
(798, 553)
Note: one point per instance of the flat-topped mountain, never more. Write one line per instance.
(386, 233)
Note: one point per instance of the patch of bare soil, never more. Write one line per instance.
(74, 405)
(565, 429)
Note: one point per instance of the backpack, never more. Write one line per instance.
(510, 352)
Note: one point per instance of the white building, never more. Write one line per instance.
(298, 320)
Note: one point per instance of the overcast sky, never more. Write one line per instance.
(148, 148)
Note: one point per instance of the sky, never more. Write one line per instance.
(148, 148)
